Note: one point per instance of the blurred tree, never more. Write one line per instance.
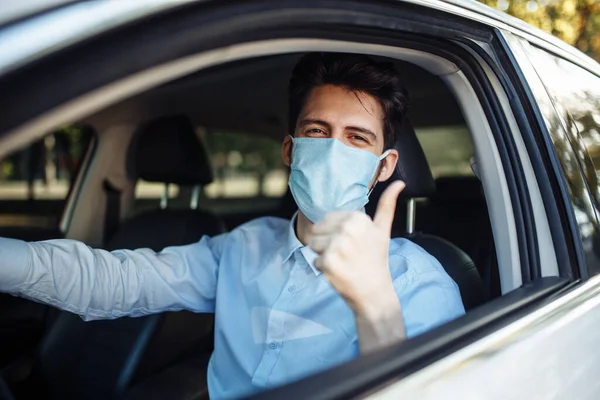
(68, 146)
(235, 152)
(576, 22)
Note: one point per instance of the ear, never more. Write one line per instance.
(286, 150)
(389, 164)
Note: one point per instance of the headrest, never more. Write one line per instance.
(412, 166)
(458, 188)
(168, 150)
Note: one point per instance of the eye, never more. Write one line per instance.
(317, 131)
(359, 138)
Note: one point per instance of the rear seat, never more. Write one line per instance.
(412, 167)
(101, 359)
(457, 212)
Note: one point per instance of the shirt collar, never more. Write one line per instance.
(294, 244)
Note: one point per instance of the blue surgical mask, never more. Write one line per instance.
(326, 175)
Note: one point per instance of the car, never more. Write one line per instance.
(148, 124)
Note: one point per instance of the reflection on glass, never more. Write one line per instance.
(572, 113)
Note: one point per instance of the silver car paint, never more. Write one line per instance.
(552, 353)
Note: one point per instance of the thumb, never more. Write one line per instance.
(386, 208)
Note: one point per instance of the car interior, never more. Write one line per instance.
(197, 156)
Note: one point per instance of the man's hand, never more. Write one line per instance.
(353, 256)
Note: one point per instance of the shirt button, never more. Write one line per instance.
(291, 288)
(273, 345)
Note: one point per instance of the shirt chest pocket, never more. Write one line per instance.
(336, 345)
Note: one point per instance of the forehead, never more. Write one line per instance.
(339, 106)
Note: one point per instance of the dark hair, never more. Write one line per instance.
(357, 73)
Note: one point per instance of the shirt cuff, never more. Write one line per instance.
(15, 257)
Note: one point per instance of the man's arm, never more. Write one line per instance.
(379, 323)
(353, 256)
(98, 284)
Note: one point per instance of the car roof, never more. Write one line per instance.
(25, 40)
(15, 10)
(500, 19)
(246, 96)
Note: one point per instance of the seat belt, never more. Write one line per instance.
(112, 210)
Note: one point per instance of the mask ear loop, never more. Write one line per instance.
(372, 187)
(291, 149)
(381, 158)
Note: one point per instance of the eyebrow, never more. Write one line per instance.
(360, 129)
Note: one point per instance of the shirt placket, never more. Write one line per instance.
(275, 338)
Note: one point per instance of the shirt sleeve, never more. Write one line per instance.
(98, 284)
(430, 300)
(428, 295)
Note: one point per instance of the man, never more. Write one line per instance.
(290, 297)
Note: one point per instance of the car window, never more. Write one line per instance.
(578, 97)
(245, 166)
(448, 150)
(573, 118)
(35, 180)
(249, 176)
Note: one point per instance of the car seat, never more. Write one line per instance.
(412, 167)
(101, 359)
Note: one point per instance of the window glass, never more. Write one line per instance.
(249, 176)
(154, 190)
(245, 165)
(570, 102)
(448, 150)
(149, 195)
(35, 181)
(578, 99)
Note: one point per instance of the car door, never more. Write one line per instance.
(540, 258)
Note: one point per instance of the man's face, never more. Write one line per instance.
(354, 118)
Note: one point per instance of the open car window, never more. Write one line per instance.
(250, 179)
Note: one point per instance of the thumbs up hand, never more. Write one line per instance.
(353, 256)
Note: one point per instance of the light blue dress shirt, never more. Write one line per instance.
(277, 317)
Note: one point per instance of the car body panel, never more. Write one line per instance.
(48, 32)
(551, 353)
(11, 11)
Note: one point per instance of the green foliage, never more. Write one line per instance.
(243, 152)
(76, 139)
(577, 22)
(7, 169)
(66, 147)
